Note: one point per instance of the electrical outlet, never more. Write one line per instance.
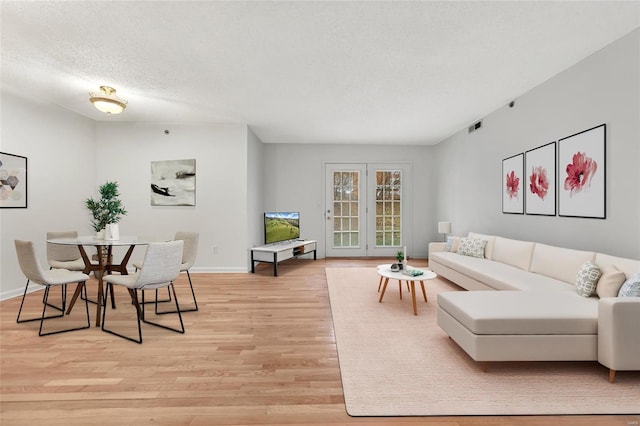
(215, 249)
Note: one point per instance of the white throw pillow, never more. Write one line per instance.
(587, 279)
(472, 247)
(452, 244)
(631, 287)
(610, 281)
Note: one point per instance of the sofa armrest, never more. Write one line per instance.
(618, 335)
(436, 247)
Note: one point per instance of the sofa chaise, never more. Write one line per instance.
(523, 303)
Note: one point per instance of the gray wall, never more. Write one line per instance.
(294, 180)
(59, 148)
(604, 88)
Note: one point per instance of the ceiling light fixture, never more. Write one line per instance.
(107, 101)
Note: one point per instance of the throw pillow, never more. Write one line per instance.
(610, 281)
(472, 247)
(452, 244)
(631, 287)
(587, 279)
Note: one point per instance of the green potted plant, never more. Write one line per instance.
(400, 258)
(106, 211)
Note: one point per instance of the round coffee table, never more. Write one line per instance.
(387, 274)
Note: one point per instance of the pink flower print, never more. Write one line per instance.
(579, 173)
(512, 184)
(538, 182)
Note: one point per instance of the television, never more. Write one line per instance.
(281, 226)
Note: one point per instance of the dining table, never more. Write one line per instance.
(105, 264)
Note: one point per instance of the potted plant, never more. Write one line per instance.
(400, 258)
(107, 211)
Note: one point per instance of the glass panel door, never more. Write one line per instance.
(345, 210)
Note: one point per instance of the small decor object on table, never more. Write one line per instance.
(400, 258)
(106, 212)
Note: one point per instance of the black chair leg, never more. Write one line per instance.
(19, 321)
(193, 295)
(181, 330)
(134, 301)
(44, 308)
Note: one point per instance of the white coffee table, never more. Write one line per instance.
(387, 274)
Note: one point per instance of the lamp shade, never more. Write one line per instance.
(444, 227)
(107, 101)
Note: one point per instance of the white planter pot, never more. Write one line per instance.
(100, 235)
(112, 232)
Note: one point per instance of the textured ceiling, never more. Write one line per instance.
(303, 72)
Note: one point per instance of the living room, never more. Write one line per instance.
(456, 180)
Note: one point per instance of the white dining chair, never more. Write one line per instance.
(188, 259)
(34, 273)
(160, 267)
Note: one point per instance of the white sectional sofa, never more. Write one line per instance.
(537, 314)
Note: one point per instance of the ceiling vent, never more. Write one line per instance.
(475, 126)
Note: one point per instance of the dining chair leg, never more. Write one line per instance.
(44, 309)
(181, 330)
(19, 321)
(63, 297)
(134, 301)
(183, 310)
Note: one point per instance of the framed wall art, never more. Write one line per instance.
(582, 174)
(13, 181)
(173, 183)
(512, 184)
(540, 185)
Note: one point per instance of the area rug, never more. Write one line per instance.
(393, 363)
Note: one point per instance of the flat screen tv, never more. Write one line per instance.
(281, 226)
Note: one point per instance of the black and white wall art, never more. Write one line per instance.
(173, 183)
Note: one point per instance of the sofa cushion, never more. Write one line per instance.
(587, 279)
(513, 252)
(488, 250)
(631, 287)
(452, 243)
(610, 281)
(473, 247)
(628, 266)
(559, 263)
(521, 312)
(499, 276)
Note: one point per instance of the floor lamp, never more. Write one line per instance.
(444, 228)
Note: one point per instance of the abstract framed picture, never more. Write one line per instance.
(512, 184)
(13, 181)
(173, 183)
(582, 174)
(540, 184)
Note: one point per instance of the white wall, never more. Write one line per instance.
(59, 148)
(124, 152)
(294, 180)
(604, 88)
(255, 191)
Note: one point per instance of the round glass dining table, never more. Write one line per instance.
(105, 263)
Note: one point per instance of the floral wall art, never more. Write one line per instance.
(582, 175)
(512, 185)
(540, 186)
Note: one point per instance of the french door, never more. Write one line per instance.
(365, 209)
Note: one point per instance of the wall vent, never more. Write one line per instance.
(475, 126)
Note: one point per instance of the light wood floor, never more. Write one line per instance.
(261, 350)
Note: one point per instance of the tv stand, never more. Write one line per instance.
(276, 253)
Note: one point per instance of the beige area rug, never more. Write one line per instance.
(396, 364)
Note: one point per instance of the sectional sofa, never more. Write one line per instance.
(523, 303)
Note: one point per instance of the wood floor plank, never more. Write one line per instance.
(261, 350)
